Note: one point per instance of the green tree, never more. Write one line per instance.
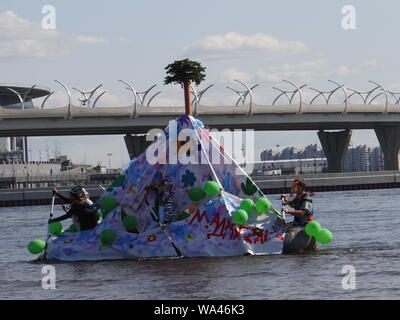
(185, 72)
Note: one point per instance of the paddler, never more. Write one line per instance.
(301, 203)
(82, 210)
(166, 204)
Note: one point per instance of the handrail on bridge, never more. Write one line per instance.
(140, 97)
(197, 96)
(137, 96)
(330, 94)
(69, 98)
(293, 93)
(243, 95)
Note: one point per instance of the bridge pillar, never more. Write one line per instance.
(136, 144)
(389, 140)
(335, 145)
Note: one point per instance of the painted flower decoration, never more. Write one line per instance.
(188, 179)
(189, 236)
(151, 237)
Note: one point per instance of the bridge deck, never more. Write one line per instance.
(118, 120)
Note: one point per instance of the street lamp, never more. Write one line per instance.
(13, 170)
(109, 161)
(27, 175)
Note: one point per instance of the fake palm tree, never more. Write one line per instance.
(185, 72)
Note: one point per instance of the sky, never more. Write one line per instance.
(257, 42)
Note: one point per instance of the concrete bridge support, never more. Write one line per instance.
(136, 144)
(335, 145)
(389, 139)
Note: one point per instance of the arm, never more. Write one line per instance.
(62, 218)
(305, 209)
(296, 213)
(287, 201)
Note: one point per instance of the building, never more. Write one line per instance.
(359, 158)
(17, 97)
(290, 166)
(364, 158)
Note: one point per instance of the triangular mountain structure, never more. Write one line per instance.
(196, 224)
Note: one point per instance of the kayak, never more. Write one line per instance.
(296, 240)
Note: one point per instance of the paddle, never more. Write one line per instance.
(48, 225)
(283, 205)
(154, 216)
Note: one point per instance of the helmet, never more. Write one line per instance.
(79, 191)
(299, 182)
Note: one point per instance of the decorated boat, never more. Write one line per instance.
(214, 207)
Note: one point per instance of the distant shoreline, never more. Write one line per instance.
(268, 184)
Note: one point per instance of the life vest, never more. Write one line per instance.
(301, 202)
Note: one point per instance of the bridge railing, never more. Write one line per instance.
(293, 96)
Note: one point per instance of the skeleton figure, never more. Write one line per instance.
(164, 201)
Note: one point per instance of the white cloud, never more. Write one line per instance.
(123, 39)
(233, 44)
(344, 70)
(229, 74)
(372, 64)
(21, 38)
(303, 72)
(89, 39)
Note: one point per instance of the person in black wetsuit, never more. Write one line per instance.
(301, 204)
(82, 210)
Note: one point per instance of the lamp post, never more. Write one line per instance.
(13, 172)
(109, 162)
(27, 175)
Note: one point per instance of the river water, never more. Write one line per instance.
(364, 224)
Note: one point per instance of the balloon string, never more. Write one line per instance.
(205, 153)
(225, 155)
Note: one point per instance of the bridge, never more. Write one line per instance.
(137, 119)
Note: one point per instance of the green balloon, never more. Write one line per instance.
(240, 217)
(107, 203)
(72, 228)
(36, 246)
(313, 228)
(129, 222)
(118, 182)
(107, 236)
(324, 236)
(196, 194)
(247, 205)
(55, 227)
(263, 205)
(212, 188)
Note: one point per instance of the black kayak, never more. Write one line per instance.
(296, 240)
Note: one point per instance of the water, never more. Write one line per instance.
(364, 224)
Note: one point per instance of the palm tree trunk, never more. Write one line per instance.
(188, 105)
